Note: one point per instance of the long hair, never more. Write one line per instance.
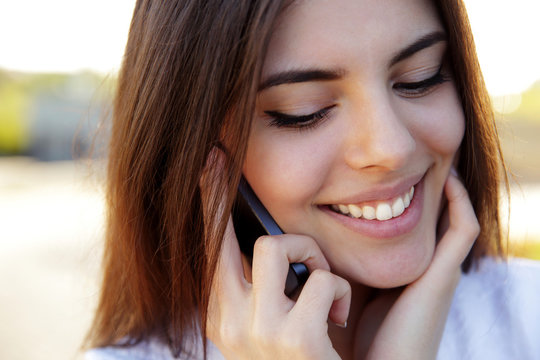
(188, 82)
(481, 161)
(188, 76)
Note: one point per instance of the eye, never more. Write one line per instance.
(423, 87)
(280, 119)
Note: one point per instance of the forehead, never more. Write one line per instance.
(315, 33)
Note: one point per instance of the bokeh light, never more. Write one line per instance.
(58, 64)
(507, 35)
(63, 35)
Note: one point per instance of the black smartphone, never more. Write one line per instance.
(252, 220)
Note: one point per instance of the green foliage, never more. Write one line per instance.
(14, 127)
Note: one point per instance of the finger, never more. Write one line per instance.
(463, 228)
(230, 271)
(229, 289)
(324, 296)
(271, 258)
(425, 303)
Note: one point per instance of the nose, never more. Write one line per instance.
(379, 136)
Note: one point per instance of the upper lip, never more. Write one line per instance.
(382, 192)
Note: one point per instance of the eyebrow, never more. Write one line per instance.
(420, 44)
(297, 76)
(306, 75)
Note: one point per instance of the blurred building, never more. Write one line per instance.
(52, 116)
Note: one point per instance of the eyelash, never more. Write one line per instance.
(420, 88)
(411, 89)
(302, 121)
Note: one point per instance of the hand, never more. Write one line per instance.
(414, 325)
(256, 320)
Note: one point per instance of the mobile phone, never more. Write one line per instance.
(252, 220)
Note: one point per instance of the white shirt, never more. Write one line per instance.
(495, 314)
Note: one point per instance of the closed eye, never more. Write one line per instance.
(280, 119)
(423, 87)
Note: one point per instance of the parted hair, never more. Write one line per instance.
(189, 82)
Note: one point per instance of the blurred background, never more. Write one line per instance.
(58, 62)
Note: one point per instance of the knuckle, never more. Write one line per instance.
(476, 228)
(346, 285)
(472, 228)
(461, 194)
(308, 240)
(321, 276)
(266, 245)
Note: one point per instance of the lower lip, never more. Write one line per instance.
(394, 227)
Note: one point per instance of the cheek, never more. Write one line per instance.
(286, 169)
(442, 124)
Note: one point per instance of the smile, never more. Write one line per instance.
(380, 210)
(393, 217)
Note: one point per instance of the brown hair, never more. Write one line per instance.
(480, 161)
(188, 81)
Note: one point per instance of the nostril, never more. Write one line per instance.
(387, 152)
(378, 134)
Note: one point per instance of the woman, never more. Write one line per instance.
(349, 119)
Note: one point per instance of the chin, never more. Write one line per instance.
(393, 268)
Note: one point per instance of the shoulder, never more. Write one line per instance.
(494, 313)
(504, 284)
(493, 276)
(152, 349)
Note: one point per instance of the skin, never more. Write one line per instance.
(376, 137)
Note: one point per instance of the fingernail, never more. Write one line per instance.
(343, 326)
(454, 172)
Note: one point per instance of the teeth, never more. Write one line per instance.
(406, 200)
(344, 209)
(368, 212)
(384, 210)
(355, 211)
(398, 207)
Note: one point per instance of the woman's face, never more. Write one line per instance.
(356, 108)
